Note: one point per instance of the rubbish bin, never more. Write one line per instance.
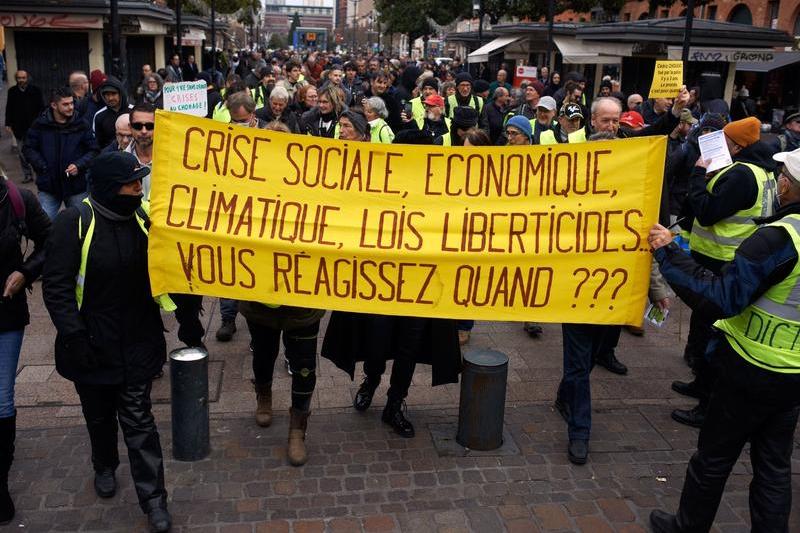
(189, 383)
(483, 400)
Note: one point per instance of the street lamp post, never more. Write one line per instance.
(213, 40)
(476, 6)
(178, 29)
(116, 61)
(355, 13)
(687, 32)
(551, 10)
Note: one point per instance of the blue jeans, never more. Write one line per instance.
(52, 205)
(228, 309)
(582, 343)
(10, 345)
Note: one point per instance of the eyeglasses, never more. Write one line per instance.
(512, 133)
(241, 122)
(138, 126)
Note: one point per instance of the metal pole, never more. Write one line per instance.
(178, 30)
(116, 61)
(687, 33)
(480, 24)
(188, 368)
(483, 400)
(551, 9)
(355, 12)
(213, 41)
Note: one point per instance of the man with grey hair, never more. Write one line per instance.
(635, 102)
(278, 109)
(122, 133)
(376, 113)
(588, 344)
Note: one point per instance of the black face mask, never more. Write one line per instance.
(124, 204)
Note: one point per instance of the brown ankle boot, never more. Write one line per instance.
(296, 450)
(264, 403)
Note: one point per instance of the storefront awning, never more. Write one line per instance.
(193, 37)
(481, 55)
(781, 59)
(724, 54)
(575, 51)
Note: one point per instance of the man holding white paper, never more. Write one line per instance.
(727, 204)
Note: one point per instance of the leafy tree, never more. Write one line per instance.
(277, 41)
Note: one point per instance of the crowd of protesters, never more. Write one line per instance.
(89, 149)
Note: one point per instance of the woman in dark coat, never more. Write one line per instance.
(20, 216)
(110, 339)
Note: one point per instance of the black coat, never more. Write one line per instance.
(311, 124)
(118, 317)
(287, 117)
(51, 147)
(104, 121)
(22, 108)
(345, 343)
(36, 227)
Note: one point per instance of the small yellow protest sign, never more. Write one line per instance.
(667, 79)
(543, 233)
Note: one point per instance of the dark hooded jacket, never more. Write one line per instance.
(287, 117)
(118, 322)
(51, 147)
(106, 118)
(35, 228)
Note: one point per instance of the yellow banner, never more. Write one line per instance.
(541, 233)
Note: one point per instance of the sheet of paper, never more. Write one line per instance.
(714, 148)
(655, 315)
(667, 79)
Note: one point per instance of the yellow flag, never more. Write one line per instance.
(543, 233)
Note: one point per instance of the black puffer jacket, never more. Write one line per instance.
(36, 227)
(118, 317)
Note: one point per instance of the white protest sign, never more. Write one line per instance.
(186, 97)
(714, 148)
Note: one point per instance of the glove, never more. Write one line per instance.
(81, 353)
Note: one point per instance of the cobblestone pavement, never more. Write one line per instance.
(360, 476)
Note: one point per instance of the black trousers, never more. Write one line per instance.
(751, 404)
(189, 309)
(301, 351)
(102, 406)
(400, 337)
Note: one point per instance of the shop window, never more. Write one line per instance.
(664, 13)
(741, 15)
(712, 13)
(626, 17)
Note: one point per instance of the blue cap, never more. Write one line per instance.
(522, 124)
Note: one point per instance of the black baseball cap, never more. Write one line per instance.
(572, 111)
(119, 167)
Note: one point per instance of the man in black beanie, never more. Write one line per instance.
(464, 96)
(110, 339)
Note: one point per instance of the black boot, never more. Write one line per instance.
(365, 393)
(105, 483)
(158, 517)
(662, 522)
(693, 389)
(693, 417)
(610, 362)
(393, 415)
(8, 431)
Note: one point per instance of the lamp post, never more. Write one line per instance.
(116, 61)
(476, 6)
(213, 40)
(355, 13)
(687, 32)
(551, 10)
(178, 29)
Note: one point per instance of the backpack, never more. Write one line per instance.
(17, 203)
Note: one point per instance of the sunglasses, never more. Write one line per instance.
(138, 126)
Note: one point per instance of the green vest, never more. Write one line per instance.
(380, 132)
(549, 137)
(475, 102)
(721, 240)
(163, 300)
(417, 109)
(221, 113)
(767, 332)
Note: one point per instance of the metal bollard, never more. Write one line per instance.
(483, 400)
(189, 383)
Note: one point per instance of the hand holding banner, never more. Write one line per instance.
(545, 233)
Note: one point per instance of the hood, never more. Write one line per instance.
(409, 78)
(759, 154)
(116, 84)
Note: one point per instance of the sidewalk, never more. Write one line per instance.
(360, 476)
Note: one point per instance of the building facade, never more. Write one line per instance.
(314, 15)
